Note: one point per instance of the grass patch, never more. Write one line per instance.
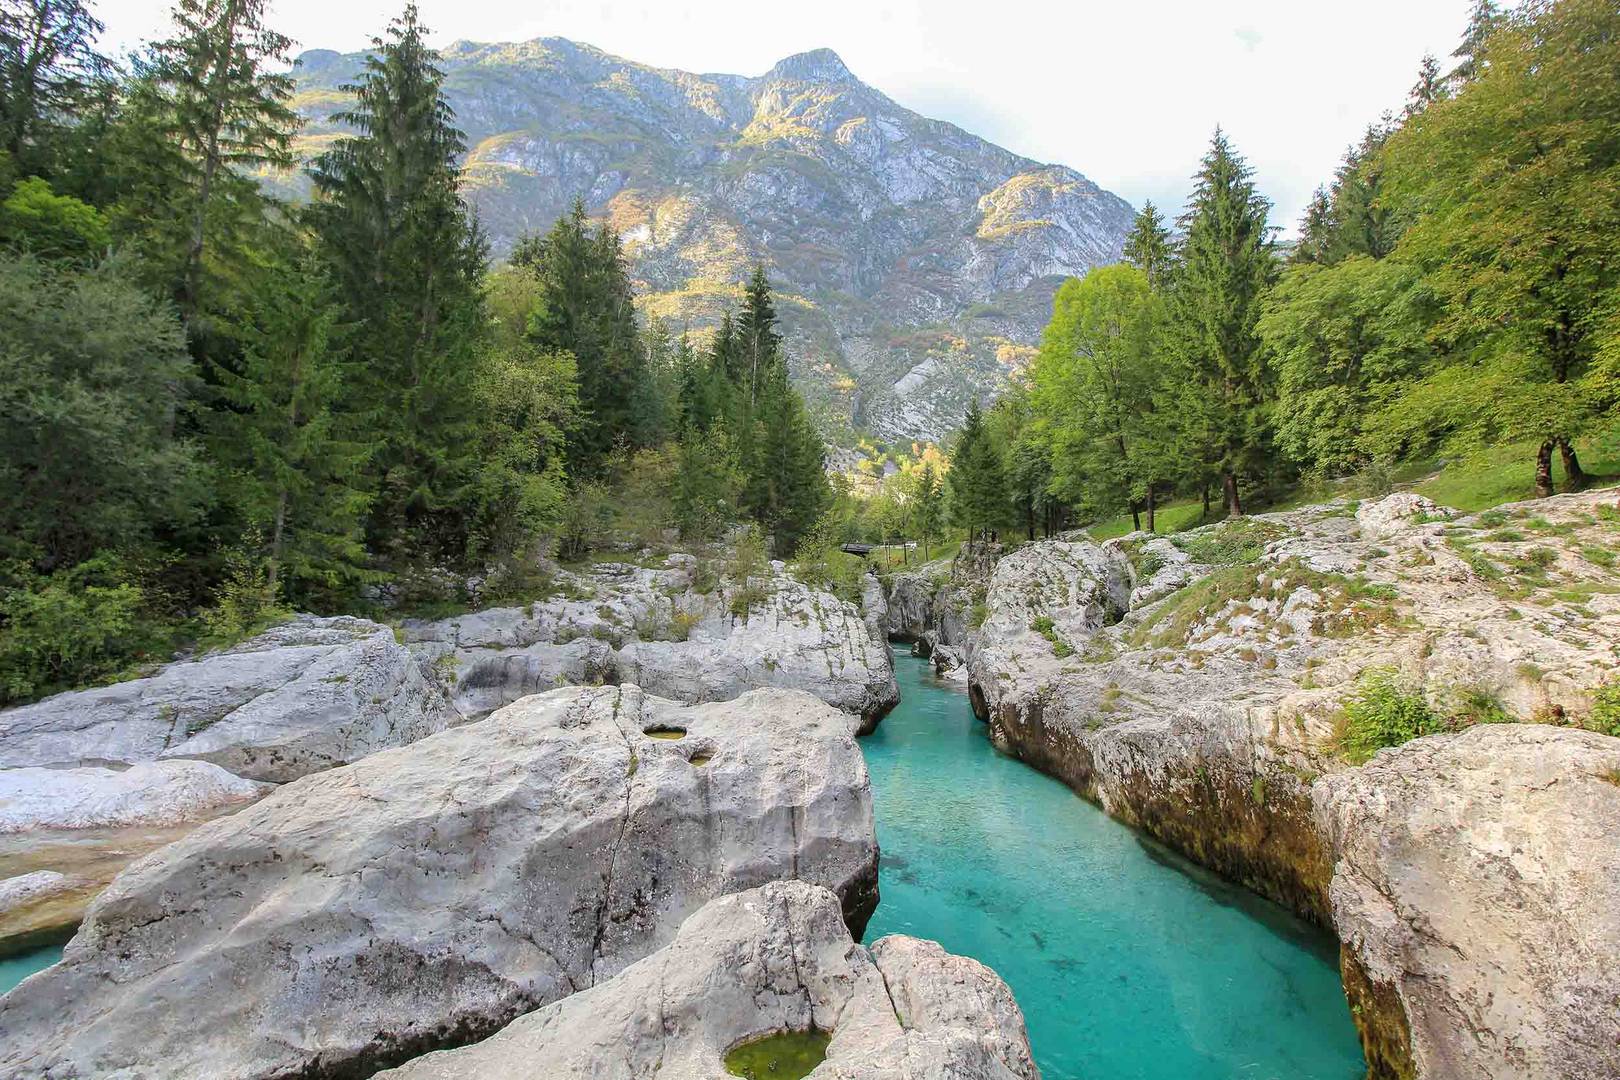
(1505, 474)
(1043, 626)
(1236, 543)
(1170, 518)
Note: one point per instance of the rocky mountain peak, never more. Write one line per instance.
(915, 262)
(815, 66)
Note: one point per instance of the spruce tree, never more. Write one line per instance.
(1148, 246)
(49, 71)
(221, 107)
(976, 488)
(587, 308)
(1317, 235)
(408, 259)
(927, 506)
(1483, 20)
(784, 464)
(1226, 263)
(296, 461)
(758, 347)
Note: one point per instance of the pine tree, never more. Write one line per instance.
(1317, 232)
(927, 506)
(587, 308)
(1483, 21)
(784, 465)
(296, 461)
(49, 71)
(222, 109)
(1362, 222)
(975, 484)
(407, 259)
(758, 348)
(1225, 265)
(1429, 87)
(1148, 246)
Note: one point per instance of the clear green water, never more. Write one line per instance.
(15, 969)
(1129, 963)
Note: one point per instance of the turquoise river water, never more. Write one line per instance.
(1129, 963)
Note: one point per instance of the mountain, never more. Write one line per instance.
(915, 262)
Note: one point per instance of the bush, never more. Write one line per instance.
(1605, 716)
(70, 628)
(245, 603)
(1383, 713)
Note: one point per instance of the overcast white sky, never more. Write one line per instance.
(1125, 91)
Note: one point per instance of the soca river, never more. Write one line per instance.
(1128, 962)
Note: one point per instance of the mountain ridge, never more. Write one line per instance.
(915, 261)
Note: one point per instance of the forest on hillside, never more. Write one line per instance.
(217, 407)
(1454, 293)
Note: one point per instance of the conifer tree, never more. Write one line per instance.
(296, 461)
(1226, 263)
(1483, 19)
(220, 104)
(587, 308)
(927, 506)
(784, 463)
(1317, 234)
(49, 71)
(1148, 246)
(976, 487)
(407, 258)
(758, 347)
(1429, 87)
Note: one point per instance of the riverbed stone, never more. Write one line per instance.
(425, 896)
(776, 958)
(147, 793)
(301, 697)
(650, 626)
(1476, 890)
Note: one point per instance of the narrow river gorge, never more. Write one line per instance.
(1128, 962)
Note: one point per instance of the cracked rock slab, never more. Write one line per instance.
(301, 697)
(1476, 889)
(425, 896)
(776, 958)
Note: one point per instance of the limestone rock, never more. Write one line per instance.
(772, 959)
(625, 623)
(1394, 513)
(425, 896)
(298, 698)
(1476, 889)
(149, 793)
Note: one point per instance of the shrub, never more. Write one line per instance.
(1383, 713)
(245, 603)
(1605, 716)
(70, 628)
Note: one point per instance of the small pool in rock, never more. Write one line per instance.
(1128, 962)
(787, 1055)
(14, 969)
(665, 732)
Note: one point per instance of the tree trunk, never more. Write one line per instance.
(1574, 475)
(1029, 521)
(1150, 500)
(1544, 484)
(1136, 518)
(1234, 504)
(277, 531)
(1206, 502)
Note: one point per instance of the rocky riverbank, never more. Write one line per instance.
(1196, 688)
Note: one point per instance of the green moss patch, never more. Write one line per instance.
(787, 1055)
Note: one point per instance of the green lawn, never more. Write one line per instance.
(1508, 474)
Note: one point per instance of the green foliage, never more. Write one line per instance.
(748, 573)
(69, 628)
(975, 484)
(1217, 393)
(1383, 712)
(92, 373)
(247, 600)
(820, 562)
(36, 219)
(1043, 625)
(49, 71)
(1605, 716)
(1097, 378)
(1232, 543)
(407, 260)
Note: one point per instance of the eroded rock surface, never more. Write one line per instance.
(424, 896)
(772, 959)
(150, 793)
(1476, 891)
(671, 634)
(301, 697)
